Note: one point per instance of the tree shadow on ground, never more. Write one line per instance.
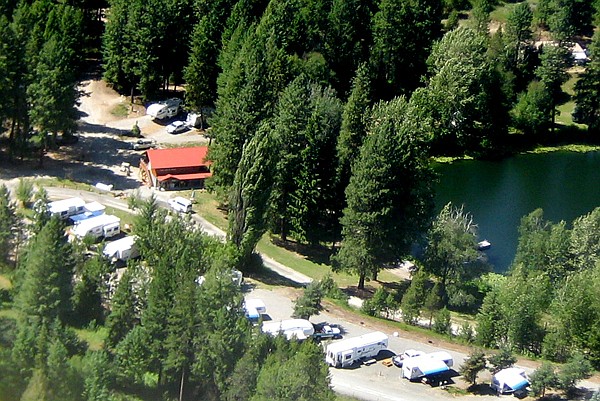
(481, 389)
(320, 254)
(270, 277)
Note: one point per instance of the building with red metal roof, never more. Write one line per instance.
(177, 168)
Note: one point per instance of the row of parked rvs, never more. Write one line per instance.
(90, 220)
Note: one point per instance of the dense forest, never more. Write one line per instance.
(163, 335)
(326, 115)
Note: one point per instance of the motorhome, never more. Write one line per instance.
(164, 109)
(66, 208)
(105, 225)
(345, 353)
(301, 329)
(121, 249)
(427, 365)
(90, 210)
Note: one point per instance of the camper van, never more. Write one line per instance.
(164, 109)
(345, 353)
(180, 204)
(301, 329)
(121, 249)
(105, 225)
(427, 365)
(90, 210)
(66, 208)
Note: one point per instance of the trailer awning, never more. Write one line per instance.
(430, 366)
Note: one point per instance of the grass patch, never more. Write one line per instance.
(9, 313)
(63, 183)
(94, 337)
(126, 217)
(565, 110)
(450, 159)
(579, 148)
(500, 14)
(207, 206)
(120, 110)
(5, 282)
(457, 391)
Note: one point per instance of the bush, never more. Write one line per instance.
(441, 322)
(24, 192)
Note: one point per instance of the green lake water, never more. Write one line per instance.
(564, 184)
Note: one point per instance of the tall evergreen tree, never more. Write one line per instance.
(587, 91)
(389, 196)
(45, 292)
(403, 33)
(250, 194)
(123, 316)
(552, 72)
(354, 124)
(7, 223)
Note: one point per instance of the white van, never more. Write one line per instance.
(180, 204)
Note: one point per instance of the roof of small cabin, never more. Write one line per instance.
(178, 157)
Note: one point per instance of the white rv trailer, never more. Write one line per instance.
(121, 249)
(66, 208)
(300, 329)
(105, 225)
(164, 109)
(509, 380)
(90, 210)
(347, 352)
(427, 365)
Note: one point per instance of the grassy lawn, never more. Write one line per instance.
(120, 110)
(501, 12)
(566, 109)
(5, 282)
(93, 337)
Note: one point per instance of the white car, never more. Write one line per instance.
(176, 127)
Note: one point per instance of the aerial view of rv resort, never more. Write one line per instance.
(288, 200)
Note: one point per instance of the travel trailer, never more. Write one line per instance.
(66, 208)
(121, 249)
(105, 225)
(509, 380)
(90, 210)
(345, 353)
(427, 365)
(301, 329)
(164, 109)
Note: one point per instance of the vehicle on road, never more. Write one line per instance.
(143, 144)
(347, 352)
(180, 204)
(399, 359)
(177, 127)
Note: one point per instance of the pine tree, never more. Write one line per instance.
(472, 365)
(7, 223)
(122, 317)
(354, 124)
(309, 303)
(45, 292)
(389, 196)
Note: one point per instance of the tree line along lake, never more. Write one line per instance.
(498, 194)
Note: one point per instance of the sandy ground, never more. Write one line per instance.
(103, 145)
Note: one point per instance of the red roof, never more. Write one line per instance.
(178, 157)
(184, 177)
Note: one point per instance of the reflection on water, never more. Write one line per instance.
(565, 184)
